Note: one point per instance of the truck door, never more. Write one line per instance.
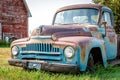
(111, 37)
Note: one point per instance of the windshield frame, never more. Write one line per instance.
(98, 15)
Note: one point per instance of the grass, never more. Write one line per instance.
(14, 73)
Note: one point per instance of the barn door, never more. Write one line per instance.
(0, 31)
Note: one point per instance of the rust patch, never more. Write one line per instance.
(84, 45)
(111, 36)
(93, 29)
(62, 45)
(83, 54)
(41, 41)
(96, 6)
(111, 40)
(104, 47)
(71, 33)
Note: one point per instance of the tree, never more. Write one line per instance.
(115, 6)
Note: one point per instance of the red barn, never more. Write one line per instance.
(14, 18)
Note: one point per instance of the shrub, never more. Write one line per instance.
(3, 43)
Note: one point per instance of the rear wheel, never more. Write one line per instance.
(90, 65)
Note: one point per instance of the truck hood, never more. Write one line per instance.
(69, 33)
(68, 30)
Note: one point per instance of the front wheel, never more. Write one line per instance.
(90, 65)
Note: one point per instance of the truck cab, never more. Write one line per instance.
(79, 37)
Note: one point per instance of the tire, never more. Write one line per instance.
(90, 65)
(26, 69)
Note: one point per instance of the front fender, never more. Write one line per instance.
(86, 47)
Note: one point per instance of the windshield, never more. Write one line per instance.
(79, 16)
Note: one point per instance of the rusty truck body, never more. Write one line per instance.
(79, 37)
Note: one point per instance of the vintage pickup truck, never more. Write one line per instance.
(79, 37)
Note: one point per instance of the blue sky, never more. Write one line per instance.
(43, 10)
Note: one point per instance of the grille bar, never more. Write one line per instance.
(36, 52)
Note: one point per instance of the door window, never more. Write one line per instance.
(106, 17)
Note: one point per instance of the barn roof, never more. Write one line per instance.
(28, 10)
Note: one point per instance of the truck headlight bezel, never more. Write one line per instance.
(69, 52)
(15, 50)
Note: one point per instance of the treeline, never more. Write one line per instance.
(115, 6)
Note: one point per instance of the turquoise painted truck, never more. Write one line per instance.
(79, 37)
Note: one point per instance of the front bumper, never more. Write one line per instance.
(41, 65)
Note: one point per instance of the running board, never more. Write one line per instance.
(114, 62)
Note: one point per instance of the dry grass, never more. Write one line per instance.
(4, 56)
(5, 53)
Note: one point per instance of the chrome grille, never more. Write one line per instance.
(41, 51)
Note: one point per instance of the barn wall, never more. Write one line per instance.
(13, 16)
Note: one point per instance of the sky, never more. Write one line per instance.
(43, 10)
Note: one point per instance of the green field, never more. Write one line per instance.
(14, 73)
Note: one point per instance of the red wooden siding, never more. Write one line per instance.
(13, 18)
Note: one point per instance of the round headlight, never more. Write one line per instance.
(69, 52)
(54, 37)
(15, 50)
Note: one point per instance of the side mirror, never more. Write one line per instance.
(103, 24)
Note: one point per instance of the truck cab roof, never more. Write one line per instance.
(77, 6)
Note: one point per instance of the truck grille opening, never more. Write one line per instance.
(41, 51)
